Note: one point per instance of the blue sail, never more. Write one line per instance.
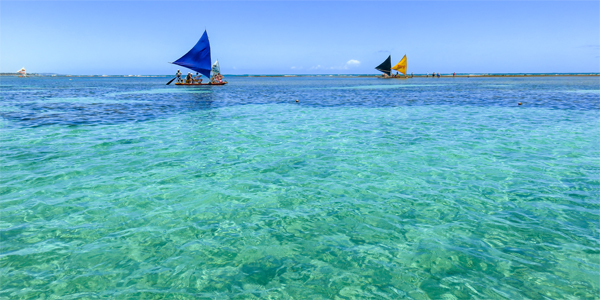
(198, 59)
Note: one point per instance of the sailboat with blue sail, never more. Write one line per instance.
(198, 59)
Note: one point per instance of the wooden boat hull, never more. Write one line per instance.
(220, 83)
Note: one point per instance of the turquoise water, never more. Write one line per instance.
(124, 188)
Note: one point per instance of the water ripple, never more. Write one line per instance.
(222, 194)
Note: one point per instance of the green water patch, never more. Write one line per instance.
(20, 91)
(286, 201)
(26, 87)
(584, 91)
(83, 100)
(6, 108)
(184, 90)
(381, 86)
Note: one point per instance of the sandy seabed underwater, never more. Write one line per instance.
(125, 188)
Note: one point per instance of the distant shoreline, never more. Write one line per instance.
(513, 75)
(461, 75)
(426, 76)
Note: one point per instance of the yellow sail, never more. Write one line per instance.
(401, 66)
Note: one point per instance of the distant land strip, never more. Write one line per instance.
(468, 75)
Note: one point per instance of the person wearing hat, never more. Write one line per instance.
(178, 74)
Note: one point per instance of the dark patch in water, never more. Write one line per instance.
(121, 100)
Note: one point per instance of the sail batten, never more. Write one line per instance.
(198, 58)
(385, 66)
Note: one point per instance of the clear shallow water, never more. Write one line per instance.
(440, 189)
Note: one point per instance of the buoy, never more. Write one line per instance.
(520, 103)
(296, 100)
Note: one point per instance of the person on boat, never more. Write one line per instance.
(197, 79)
(178, 74)
(188, 78)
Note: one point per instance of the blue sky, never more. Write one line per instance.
(312, 37)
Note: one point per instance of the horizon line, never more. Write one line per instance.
(309, 74)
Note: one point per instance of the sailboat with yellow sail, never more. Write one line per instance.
(401, 66)
(386, 68)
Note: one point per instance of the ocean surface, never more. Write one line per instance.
(426, 188)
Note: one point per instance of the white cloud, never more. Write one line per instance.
(352, 63)
(349, 64)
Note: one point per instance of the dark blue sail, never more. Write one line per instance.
(198, 59)
(385, 66)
